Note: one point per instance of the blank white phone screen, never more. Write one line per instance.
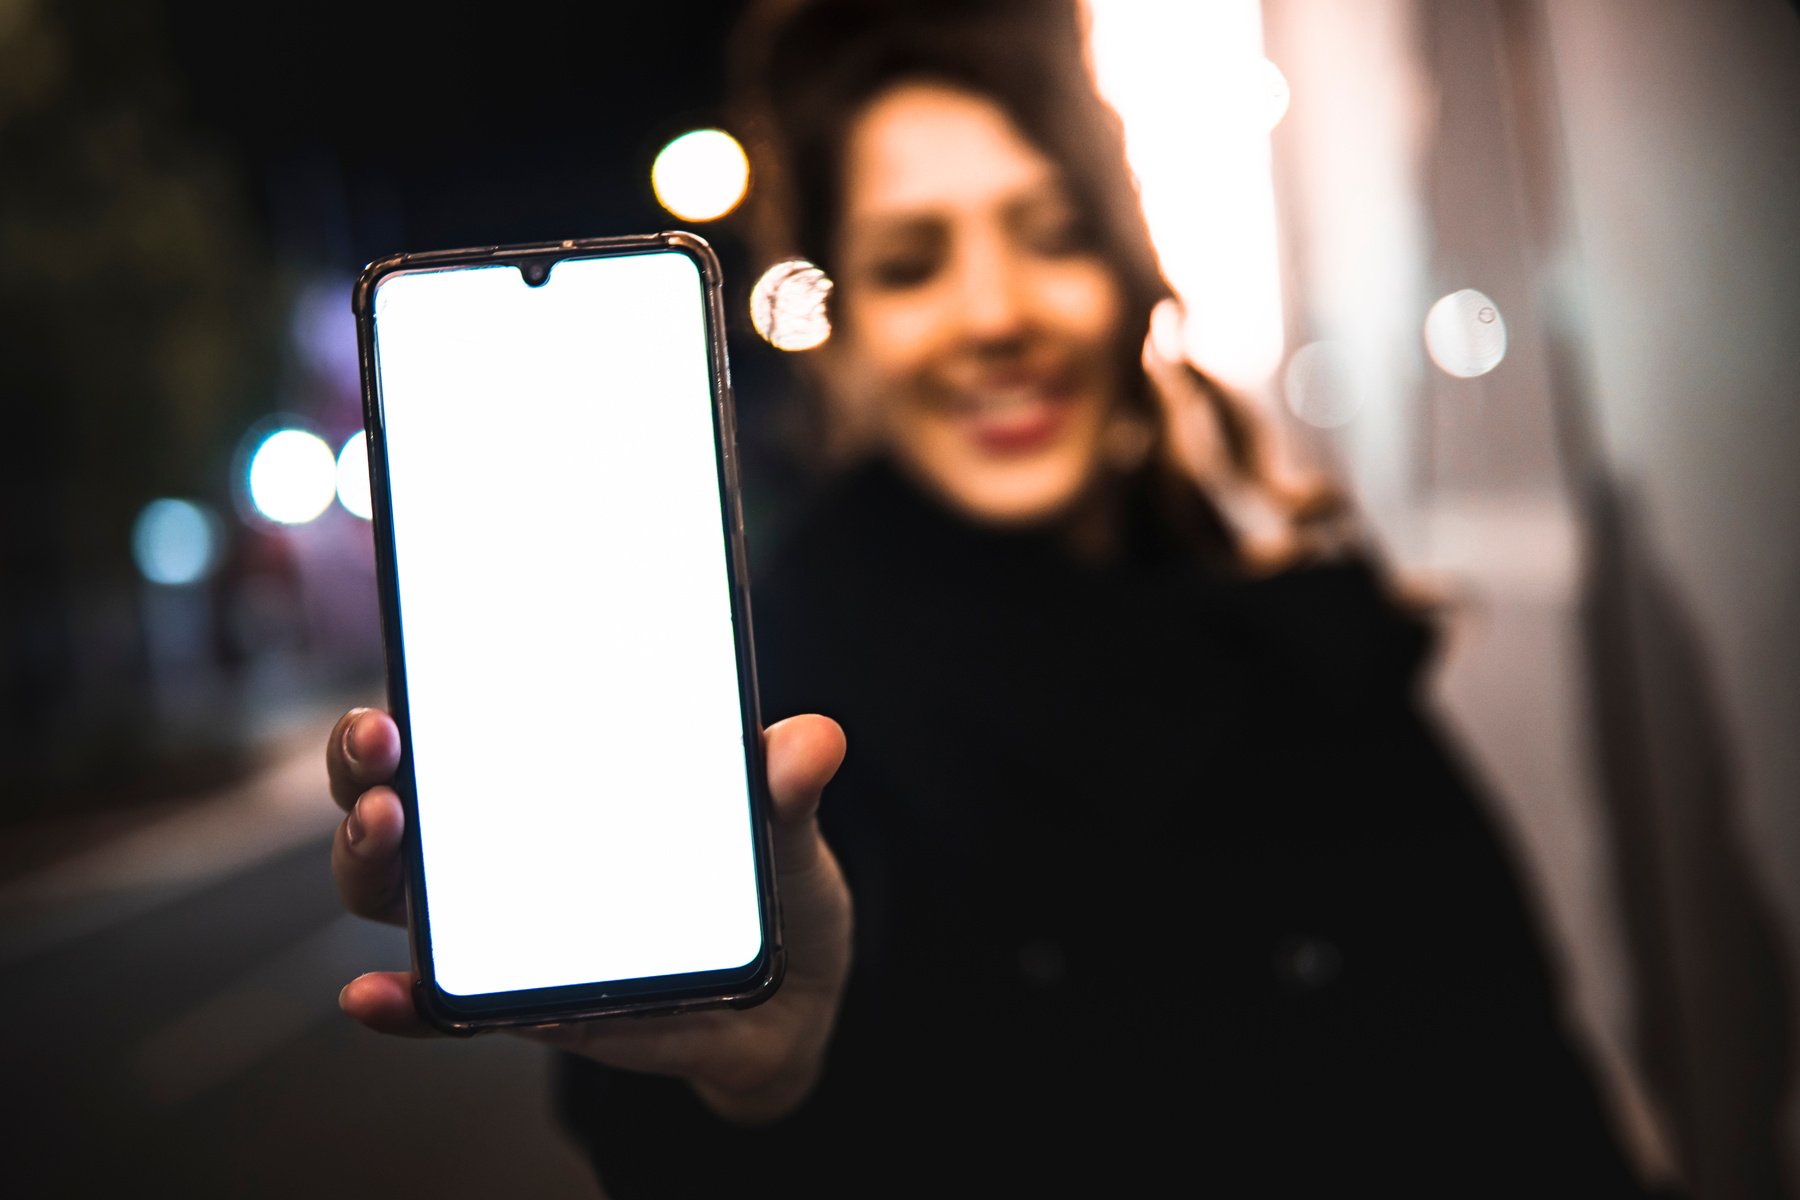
(571, 671)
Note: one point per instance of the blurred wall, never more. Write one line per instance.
(1612, 501)
(1681, 137)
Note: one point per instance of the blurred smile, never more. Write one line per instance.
(1014, 414)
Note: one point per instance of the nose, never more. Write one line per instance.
(993, 299)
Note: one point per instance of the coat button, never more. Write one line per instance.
(1309, 962)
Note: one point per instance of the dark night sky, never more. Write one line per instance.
(368, 129)
(362, 130)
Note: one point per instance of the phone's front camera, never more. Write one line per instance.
(535, 273)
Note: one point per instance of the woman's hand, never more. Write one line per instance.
(1282, 512)
(751, 1065)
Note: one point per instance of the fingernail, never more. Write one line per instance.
(353, 829)
(350, 742)
(342, 992)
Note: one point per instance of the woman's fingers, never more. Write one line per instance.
(361, 756)
(362, 751)
(803, 753)
(366, 860)
(382, 1000)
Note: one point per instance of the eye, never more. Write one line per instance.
(897, 272)
(898, 255)
(1055, 228)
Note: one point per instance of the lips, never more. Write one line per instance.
(1014, 417)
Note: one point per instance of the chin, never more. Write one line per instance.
(1016, 494)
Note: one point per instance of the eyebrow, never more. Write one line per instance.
(1021, 204)
(925, 229)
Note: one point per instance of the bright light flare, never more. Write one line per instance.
(1198, 99)
(293, 476)
(701, 176)
(1465, 334)
(787, 305)
(353, 477)
(175, 542)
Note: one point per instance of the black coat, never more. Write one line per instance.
(1159, 876)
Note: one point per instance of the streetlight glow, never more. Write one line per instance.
(1465, 334)
(175, 542)
(787, 305)
(293, 476)
(701, 176)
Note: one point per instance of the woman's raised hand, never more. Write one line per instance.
(750, 1065)
(1282, 511)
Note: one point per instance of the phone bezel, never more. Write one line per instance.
(742, 987)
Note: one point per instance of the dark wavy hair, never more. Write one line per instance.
(802, 72)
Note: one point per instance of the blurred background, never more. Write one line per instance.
(1522, 272)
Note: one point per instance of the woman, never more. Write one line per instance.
(1158, 876)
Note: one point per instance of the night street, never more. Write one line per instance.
(172, 1020)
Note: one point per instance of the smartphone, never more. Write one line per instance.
(565, 604)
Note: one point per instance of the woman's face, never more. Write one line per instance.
(976, 323)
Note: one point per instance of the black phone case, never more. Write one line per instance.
(579, 1002)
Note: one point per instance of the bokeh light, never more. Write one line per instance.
(1465, 334)
(353, 477)
(293, 476)
(1320, 386)
(1276, 93)
(175, 542)
(787, 305)
(701, 176)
